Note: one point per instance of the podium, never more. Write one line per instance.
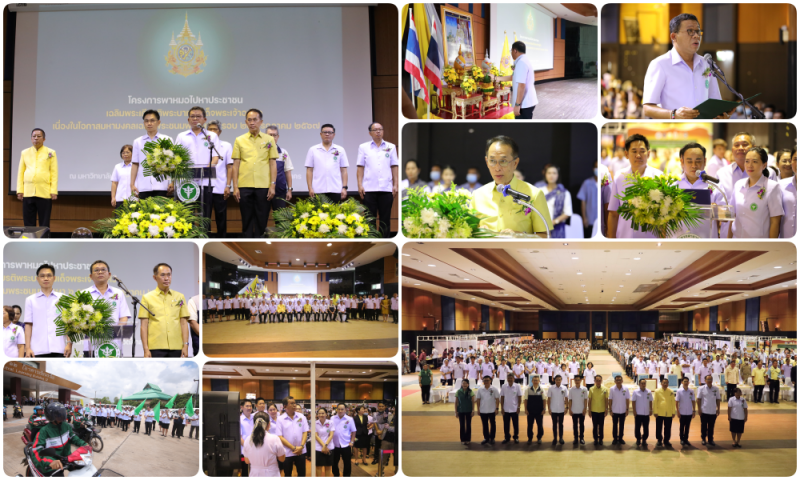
(192, 190)
(716, 213)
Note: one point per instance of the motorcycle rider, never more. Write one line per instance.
(53, 436)
(36, 421)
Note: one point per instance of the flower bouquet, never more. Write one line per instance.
(82, 317)
(657, 205)
(469, 86)
(477, 72)
(166, 159)
(154, 217)
(319, 217)
(445, 215)
(450, 76)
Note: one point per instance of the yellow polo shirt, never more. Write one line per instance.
(254, 153)
(598, 397)
(164, 327)
(759, 375)
(499, 213)
(38, 173)
(664, 403)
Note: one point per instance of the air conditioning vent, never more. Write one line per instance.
(646, 287)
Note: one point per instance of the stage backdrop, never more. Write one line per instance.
(301, 66)
(132, 262)
(291, 283)
(534, 27)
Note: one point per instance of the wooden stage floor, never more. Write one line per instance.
(563, 99)
(356, 338)
(431, 446)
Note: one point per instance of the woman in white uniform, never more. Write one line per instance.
(121, 178)
(263, 450)
(324, 452)
(757, 201)
(789, 194)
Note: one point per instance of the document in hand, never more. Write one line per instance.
(713, 108)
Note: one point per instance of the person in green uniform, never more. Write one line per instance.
(58, 435)
(425, 380)
(465, 403)
(36, 421)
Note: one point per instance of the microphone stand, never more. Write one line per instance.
(136, 303)
(211, 149)
(721, 75)
(534, 209)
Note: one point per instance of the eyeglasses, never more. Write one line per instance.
(502, 163)
(692, 33)
(196, 116)
(46, 275)
(328, 133)
(100, 270)
(376, 130)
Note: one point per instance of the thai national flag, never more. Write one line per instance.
(413, 65)
(433, 64)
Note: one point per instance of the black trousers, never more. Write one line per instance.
(642, 427)
(774, 390)
(489, 426)
(262, 317)
(148, 427)
(394, 315)
(220, 214)
(730, 387)
(426, 393)
(664, 428)
(577, 426)
(255, 211)
(558, 425)
(598, 423)
(508, 419)
(245, 469)
(465, 427)
(618, 429)
(194, 430)
(136, 425)
(379, 205)
(165, 353)
(377, 449)
(707, 426)
(299, 461)
(36, 206)
(208, 201)
(525, 113)
(346, 454)
(535, 418)
(335, 197)
(758, 393)
(685, 422)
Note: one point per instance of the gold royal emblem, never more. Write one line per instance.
(185, 56)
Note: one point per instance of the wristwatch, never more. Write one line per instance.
(517, 104)
(291, 189)
(345, 187)
(273, 183)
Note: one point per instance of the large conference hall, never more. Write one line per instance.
(603, 299)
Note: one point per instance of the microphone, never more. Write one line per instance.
(506, 190)
(706, 177)
(710, 61)
(116, 279)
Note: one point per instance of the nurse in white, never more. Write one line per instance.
(679, 80)
(263, 450)
(637, 149)
(693, 160)
(789, 194)
(757, 201)
(324, 451)
(121, 177)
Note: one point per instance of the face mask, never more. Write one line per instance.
(472, 178)
(595, 172)
(747, 112)
(436, 176)
(768, 114)
(740, 109)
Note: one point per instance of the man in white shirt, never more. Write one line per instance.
(693, 161)
(523, 92)
(502, 372)
(377, 177)
(578, 406)
(40, 315)
(643, 409)
(708, 400)
(344, 435)
(202, 146)
(141, 186)
(222, 183)
(326, 167)
(100, 273)
(703, 370)
(557, 396)
(511, 398)
(395, 302)
(245, 429)
(619, 399)
(735, 171)
(488, 400)
(149, 420)
(292, 428)
(717, 160)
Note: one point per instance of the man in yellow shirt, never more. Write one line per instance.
(664, 409)
(165, 332)
(254, 173)
(499, 213)
(774, 374)
(759, 380)
(37, 181)
(598, 405)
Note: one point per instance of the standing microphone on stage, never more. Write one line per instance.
(506, 190)
(712, 65)
(706, 177)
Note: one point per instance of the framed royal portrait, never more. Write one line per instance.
(457, 34)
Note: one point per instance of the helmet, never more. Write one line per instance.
(37, 408)
(55, 412)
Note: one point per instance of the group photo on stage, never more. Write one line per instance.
(698, 180)
(300, 418)
(67, 300)
(571, 353)
(484, 180)
(99, 419)
(693, 61)
(187, 148)
(275, 299)
(499, 61)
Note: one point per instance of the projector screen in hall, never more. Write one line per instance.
(86, 73)
(533, 25)
(293, 283)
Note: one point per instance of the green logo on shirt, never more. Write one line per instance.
(753, 207)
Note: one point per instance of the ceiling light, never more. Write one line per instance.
(269, 243)
(330, 244)
(579, 273)
(627, 274)
(405, 254)
(416, 284)
(565, 244)
(574, 258)
(466, 279)
(784, 286)
(637, 258)
(778, 267)
(431, 265)
(659, 244)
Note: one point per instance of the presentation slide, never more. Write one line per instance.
(533, 26)
(87, 75)
(294, 283)
(132, 262)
